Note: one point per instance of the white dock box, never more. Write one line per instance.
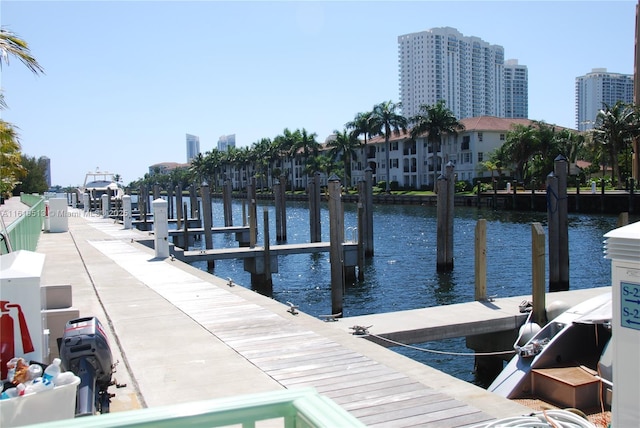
(21, 304)
(623, 248)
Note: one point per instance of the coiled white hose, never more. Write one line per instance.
(546, 419)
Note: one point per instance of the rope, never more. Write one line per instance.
(550, 193)
(433, 351)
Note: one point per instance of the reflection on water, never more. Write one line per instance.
(402, 274)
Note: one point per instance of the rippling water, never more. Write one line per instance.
(402, 274)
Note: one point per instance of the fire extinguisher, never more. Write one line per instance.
(7, 340)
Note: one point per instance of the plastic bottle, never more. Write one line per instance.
(65, 378)
(37, 385)
(9, 393)
(52, 371)
(34, 370)
(21, 389)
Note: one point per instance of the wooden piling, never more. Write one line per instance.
(207, 221)
(193, 202)
(445, 202)
(283, 212)
(244, 212)
(226, 204)
(553, 238)
(368, 212)
(185, 236)
(180, 213)
(277, 201)
(481, 260)
(266, 282)
(361, 229)
(315, 234)
(538, 257)
(253, 221)
(561, 169)
(557, 215)
(623, 219)
(170, 209)
(441, 223)
(336, 238)
(451, 191)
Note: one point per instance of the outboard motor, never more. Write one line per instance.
(85, 351)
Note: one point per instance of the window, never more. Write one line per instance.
(501, 137)
(479, 136)
(467, 158)
(480, 157)
(393, 163)
(393, 145)
(465, 142)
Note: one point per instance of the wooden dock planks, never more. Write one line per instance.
(295, 356)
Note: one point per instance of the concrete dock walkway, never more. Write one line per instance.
(182, 334)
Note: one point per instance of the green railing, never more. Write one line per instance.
(302, 408)
(25, 231)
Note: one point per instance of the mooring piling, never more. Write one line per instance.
(207, 220)
(336, 238)
(315, 234)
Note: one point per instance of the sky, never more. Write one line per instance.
(126, 80)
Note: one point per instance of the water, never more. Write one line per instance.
(402, 274)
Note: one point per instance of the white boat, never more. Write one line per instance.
(567, 363)
(100, 183)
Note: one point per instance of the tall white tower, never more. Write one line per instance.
(442, 64)
(226, 141)
(193, 147)
(516, 90)
(595, 89)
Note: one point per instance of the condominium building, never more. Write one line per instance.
(193, 147)
(599, 88)
(412, 163)
(226, 141)
(516, 89)
(442, 64)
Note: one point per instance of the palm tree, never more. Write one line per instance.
(12, 45)
(261, 154)
(11, 169)
(387, 121)
(197, 168)
(615, 129)
(520, 145)
(282, 145)
(309, 146)
(363, 124)
(435, 121)
(10, 157)
(344, 144)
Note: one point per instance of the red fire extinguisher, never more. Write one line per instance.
(7, 340)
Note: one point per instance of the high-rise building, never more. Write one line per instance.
(596, 89)
(226, 141)
(442, 64)
(193, 147)
(45, 162)
(516, 90)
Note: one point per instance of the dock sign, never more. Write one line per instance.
(630, 305)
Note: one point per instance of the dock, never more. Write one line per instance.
(181, 335)
(458, 320)
(257, 251)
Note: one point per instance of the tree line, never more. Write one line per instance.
(528, 151)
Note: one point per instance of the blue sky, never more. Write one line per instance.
(125, 81)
